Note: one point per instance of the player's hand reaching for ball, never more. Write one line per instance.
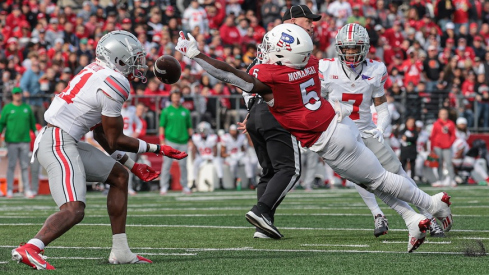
(187, 47)
(168, 151)
(144, 172)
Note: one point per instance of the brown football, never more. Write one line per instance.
(167, 69)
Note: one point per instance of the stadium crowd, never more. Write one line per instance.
(435, 51)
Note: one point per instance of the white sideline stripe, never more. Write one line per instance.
(253, 249)
(3, 262)
(74, 258)
(340, 245)
(424, 242)
(473, 238)
(168, 254)
(234, 227)
(319, 251)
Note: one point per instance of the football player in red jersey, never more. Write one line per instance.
(288, 81)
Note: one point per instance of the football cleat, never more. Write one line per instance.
(440, 208)
(435, 229)
(31, 255)
(136, 259)
(417, 226)
(381, 225)
(263, 221)
(260, 234)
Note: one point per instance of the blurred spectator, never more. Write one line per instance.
(229, 33)
(270, 11)
(17, 119)
(442, 138)
(195, 16)
(412, 68)
(216, 14)
(409, 137)
(444, 10)
(432, 69)
(29, 83)
(356, 17)
(482, 111)
(341, 10)
(461, 13)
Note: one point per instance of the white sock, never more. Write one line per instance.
(423, 211)
(401, 188)
(370, 201)
(401, 207)
(120, 249)
(37, 243)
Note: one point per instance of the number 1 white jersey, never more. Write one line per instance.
(357, 92)
(93, 92)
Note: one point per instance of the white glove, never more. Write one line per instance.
(376, 133)
(187, 47)
(341, 110)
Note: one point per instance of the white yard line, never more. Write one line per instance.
(337, 245)
(168, 254)
(430, 242)
(233, 227)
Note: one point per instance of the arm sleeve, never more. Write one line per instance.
(382, 78)
(163, 118)
(3, 118)
(383, 116)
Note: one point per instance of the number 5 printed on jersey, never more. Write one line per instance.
(310, 97)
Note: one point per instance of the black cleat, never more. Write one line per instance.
(263, 221)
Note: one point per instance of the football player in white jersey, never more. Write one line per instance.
(358, 82)
(205, 149)
(130, 118)
(233, 151)
(93, 97)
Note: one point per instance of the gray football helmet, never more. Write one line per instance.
(352, 36)
(122, 52)
(204, 128)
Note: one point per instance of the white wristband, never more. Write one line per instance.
(118, 155)
(129, 163)
(143, 146)
(153, 148)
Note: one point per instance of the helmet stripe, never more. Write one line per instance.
(350, 32)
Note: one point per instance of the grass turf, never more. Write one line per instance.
(206, 233)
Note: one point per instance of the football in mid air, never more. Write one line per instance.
(167, 69)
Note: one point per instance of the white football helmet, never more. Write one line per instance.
(121, 51)
(352, 36)
(204, 128)
(286, 44)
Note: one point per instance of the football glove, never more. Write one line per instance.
(187, 47)
(376, 133)
(144, 172)
(341, 110)
(168, 151)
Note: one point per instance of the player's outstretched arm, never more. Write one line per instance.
(219, 69)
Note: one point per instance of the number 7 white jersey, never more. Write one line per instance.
(93, 92)
(357, 92)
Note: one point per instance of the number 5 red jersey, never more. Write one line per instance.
(298, 105)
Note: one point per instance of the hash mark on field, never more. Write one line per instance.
(3, 262)
(430, 242)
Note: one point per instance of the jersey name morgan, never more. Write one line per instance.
(93, 92)
(205, 146)
(298, 105)
(358, 93)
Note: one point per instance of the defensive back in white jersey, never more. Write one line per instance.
(205, 145)
(93, 92)
(358, 91)
(234, 146)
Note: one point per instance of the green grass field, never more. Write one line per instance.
(326, 232)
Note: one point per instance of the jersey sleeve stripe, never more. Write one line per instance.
(117, 86)
(117, 91)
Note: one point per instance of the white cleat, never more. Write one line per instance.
(417, 226)
(440, 208)
(134, 259)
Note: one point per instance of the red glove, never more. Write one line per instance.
(144, 172)
(172, 153)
